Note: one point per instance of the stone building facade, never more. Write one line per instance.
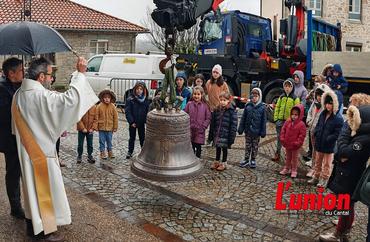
(88, 31)
(355, 27)
(353, 15)
(83, 42)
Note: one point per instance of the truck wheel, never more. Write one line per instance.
(271, 98)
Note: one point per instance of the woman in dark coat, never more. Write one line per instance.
(350, 162)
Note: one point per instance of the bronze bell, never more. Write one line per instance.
(167, 154)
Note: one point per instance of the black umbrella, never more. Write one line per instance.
(30, 38)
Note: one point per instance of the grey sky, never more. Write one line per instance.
(134, 11)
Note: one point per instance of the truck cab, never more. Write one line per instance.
(234, 33)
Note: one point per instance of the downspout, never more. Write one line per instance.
(133, 42)
(261, 8)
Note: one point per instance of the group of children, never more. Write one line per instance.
(324, 121)
(210, 104)
(207, 103)
(102, 117)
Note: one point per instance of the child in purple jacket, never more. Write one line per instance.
(200, 117)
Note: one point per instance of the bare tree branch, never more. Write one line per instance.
(186, 41)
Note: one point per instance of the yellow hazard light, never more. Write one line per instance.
(275, 65)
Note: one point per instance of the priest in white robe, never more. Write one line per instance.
(42, 117)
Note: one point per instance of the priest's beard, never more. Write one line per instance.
(47, 85)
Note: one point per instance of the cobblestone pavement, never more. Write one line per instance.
(90, 222)
(235, 205)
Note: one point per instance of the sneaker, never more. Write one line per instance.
(129, 155)
(244, 163)
(322, 183)
(284, 171)
(313, 181)
(333, 237)
(91, 159)
(103, 155)
(294, 174)
(253, 164)
(111, 155)
(310, 173)
(308, 163)
(215, 164)
(221, 166)
(79, 159)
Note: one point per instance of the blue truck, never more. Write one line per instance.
(243, 44)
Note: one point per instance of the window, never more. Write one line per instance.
(355, 9)
(315, 6)
(98, 47)
(94, 64)
(353, 47)
(211, 31)
(254, 30)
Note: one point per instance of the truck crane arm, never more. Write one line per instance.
(179, 15)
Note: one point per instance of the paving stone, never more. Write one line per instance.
(247, 193)
(228, 229)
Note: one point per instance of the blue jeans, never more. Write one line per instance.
(105, 137)
(89, 140)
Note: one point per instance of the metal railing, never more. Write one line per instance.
(122, 86)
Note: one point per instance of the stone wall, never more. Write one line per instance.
(353, 31)
(335, 11)
(80, 42)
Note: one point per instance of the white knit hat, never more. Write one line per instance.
(217, 68)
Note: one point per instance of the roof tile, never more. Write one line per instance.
(65, 14)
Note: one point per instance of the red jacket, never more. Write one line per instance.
(293, 133)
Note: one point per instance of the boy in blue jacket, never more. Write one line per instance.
(253, 124)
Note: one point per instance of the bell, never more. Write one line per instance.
(167, 154)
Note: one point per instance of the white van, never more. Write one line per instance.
(120, 72)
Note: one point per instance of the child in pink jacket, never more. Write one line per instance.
(292, 137)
